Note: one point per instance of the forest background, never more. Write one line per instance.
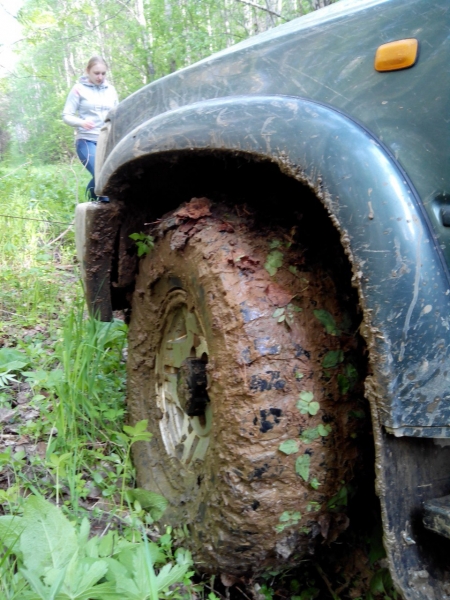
(141, 40)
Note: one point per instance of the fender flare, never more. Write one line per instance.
(398, 267)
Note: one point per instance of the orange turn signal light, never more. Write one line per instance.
(396, 55)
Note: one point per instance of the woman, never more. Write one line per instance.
(86, 108)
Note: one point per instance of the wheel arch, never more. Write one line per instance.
(397, 266)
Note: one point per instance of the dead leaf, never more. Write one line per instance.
(184, 232)
(195, 209)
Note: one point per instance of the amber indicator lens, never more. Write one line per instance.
(393, 56)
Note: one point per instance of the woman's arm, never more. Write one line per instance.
(71, 108)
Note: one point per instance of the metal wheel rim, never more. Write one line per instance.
(185, 438)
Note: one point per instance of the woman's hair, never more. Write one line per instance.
(95, 60)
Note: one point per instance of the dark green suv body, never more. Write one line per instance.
(306, 100)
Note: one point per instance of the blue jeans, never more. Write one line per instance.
(86, 153)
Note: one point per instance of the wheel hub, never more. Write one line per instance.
(182, 382)
(191, 387)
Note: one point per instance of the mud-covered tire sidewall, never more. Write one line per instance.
(246, 504)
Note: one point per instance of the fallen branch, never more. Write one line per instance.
(17, 168)
(61, 235)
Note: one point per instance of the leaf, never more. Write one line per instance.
(288, 447)
(285, 517)
(332, 359)
(275, 244)
(152, 502)
(339, 499)
(83, 576)
(14, 365)
(11, 356)
(273, 262)
(171, 574)
(139, 427)
(327, 320)
(343, 384)
(48, 539)
(11, 527)
(323, 430)
(302, 465)
(313, 408)
(306, 396)
(44, 591)
(138, 433)
(306, 405)
(278, 312)
(378, 581)
(309, 435)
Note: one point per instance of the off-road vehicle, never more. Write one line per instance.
(296, 189)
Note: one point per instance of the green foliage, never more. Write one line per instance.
(327, 321)
(56, 560)
(307, 405)
(144, 500)
(273, 262)
(332, 359)
(347, 380)
(11, 360)
(130, 436)
(381, 584)
(288, 447)
(309, 435)
(340, 499)
(287, 519)
(286, 314)
(302, 465)
(144, 243)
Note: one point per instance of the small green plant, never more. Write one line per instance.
(286, 314)
(340, 499)
(302, 465)
(273, 262)
(309, 435)
(332, 359)
(347, 380)
(327, 321)
(381, 586)
(130, 436)
(287, 519)
(144, 243)
(57, 464)
(55, 560)
(307, 405)
(288, 447)
(11, 361)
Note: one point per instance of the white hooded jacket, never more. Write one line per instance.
(90, 102)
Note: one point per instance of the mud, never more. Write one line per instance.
(270, 358)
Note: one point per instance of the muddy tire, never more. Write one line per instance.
(246, 378)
